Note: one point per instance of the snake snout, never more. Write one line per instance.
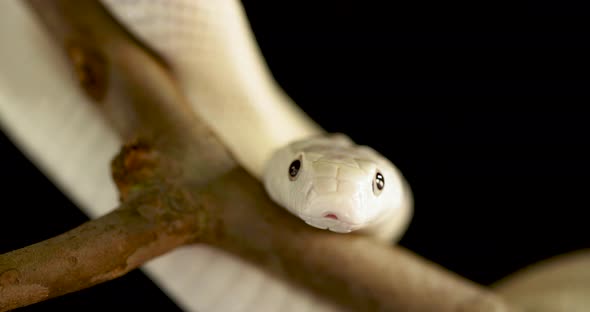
(334, 209)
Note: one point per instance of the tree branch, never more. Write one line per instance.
(96, 251)
(179, 184)
(560, 283)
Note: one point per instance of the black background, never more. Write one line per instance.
(499, 183)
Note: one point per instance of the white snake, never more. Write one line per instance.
(326, 179)
(209, 44)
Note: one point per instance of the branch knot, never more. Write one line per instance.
(134, 167)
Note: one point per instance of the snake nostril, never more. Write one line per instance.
(331, 216)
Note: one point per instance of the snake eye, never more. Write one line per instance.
(294, 169)
(378, 183)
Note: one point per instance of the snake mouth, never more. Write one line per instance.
(331, 216)
(330, 222)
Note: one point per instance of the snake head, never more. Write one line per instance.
(332, 183)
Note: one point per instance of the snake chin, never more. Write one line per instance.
(330, 225)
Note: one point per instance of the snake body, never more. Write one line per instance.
(339, 185)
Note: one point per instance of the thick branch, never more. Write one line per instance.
(353, 270)
(141, 99)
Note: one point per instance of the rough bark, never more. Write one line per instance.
(179, 185)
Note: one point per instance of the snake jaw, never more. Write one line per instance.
(339, 227)
(330, 223)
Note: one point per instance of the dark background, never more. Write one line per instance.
(498, 184)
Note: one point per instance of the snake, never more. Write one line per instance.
(325, 179)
